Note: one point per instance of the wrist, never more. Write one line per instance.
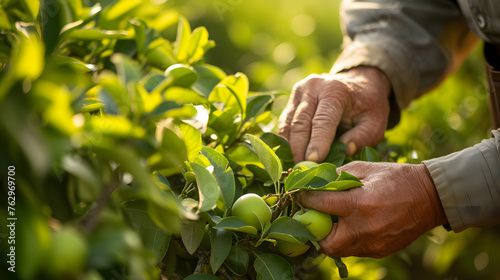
(435, 201)
(376, 78)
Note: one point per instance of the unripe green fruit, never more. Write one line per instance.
(318, 223)
(248, 207)
(306, 163)
(291, 249)
(69, 252)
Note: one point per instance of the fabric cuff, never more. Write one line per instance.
(468, 185)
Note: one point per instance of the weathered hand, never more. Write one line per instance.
(396, 205)
(355, 101)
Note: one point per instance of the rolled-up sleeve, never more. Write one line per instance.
(468, 184)
(415, 43)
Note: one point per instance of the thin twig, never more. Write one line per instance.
(90, 220)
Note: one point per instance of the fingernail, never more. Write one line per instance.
(313, 156)
(352, 148)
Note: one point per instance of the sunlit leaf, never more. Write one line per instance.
(198, 44)
(223, 174)
(208, 188)
(182, 42)
(232, 92)
(281, 148)
(268, 158)
(192, 140)
(182, 75)
(113, 14)
(94, 34)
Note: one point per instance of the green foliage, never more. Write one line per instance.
(126, 142)
(136, 148)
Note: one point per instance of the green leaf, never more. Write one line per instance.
(220, 242)
(192, 234)
(288, 229)
(238, 259)
(300, 179)
(258, 172)
(28, 58)
(114, 14)
(343, 273)
(163, 108)
(223, 174)
(268, 158)
(182, 75)
(154, 238)
(337, 154)
(272, 267)
(256, 104)
(232, 92)
(192, 140)
(127, 69)
(4, 20)
(207, 187)
(33, 7)
(198, 44)
(95, 34)
(369, 154)
(235, 224)
(184, 95)
(209, 77)
(335, 186)
(201, 276)
(281, 148)
(76, 64)
(182, 42)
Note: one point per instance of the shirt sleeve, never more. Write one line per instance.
(415, 43)
(468, 184)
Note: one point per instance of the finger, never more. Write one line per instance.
(368, 132)
(324, 125)
(337, 203)
(340, 242)
(300, 130)
(286, 116)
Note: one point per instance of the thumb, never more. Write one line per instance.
(337, 203)
(367, 132)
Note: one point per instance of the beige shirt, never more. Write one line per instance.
(417, 44)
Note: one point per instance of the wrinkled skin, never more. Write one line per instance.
(396, 205)
(355, 101)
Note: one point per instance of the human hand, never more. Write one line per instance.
(396, 205)
(355, 101)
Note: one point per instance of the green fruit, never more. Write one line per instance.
(291, 249)
(306, 164)
(318, 223)
(69, 252)
(248, 207)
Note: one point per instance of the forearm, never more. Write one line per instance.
(468, 184)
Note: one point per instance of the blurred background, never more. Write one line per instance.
(277, 43)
